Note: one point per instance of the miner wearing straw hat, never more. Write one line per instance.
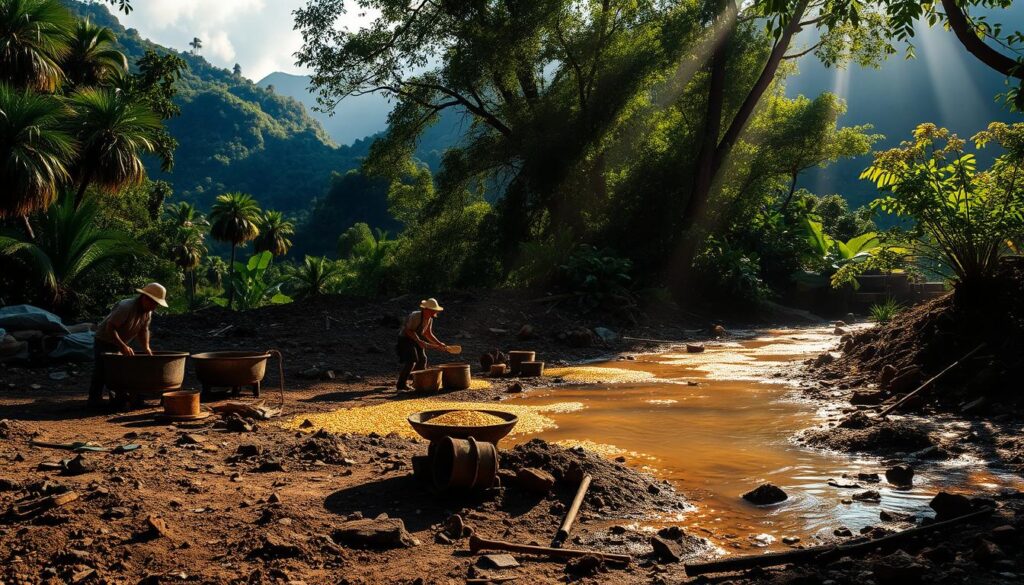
(415, 336)
(128, 320)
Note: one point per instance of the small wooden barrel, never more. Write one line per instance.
(498, 370)
(531, 369)
(428, 380)
(516, 358)
(455, 376)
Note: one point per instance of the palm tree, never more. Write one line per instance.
(92, 56)
(34, 37)
(274, 232)
(234, 218)
(196, 44)
(184, 214)
(35, 151)
(114, 132)
(188, 251)
(315, 277)
(70, 248)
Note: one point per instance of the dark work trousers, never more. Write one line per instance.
(411, 356)
(98, 371)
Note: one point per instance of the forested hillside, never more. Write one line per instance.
(236, 136)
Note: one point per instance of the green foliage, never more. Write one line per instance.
(963, 218)
(884, 312)
(70, 249)
(356, 236)
(34, 37)
(729, 275)
(234, 218)
(314, 277)
(274, 233)
(35, 149)
(597, 277)
(251, 288)
(92, 58)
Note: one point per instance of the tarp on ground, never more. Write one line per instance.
(74, 347)
(27, 317)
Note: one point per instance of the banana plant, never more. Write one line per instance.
(250, 284)
(834, 252)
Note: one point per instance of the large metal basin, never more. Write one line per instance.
(145, 374)
(420, 422)
(230, 368)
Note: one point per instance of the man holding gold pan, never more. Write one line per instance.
(415, 336)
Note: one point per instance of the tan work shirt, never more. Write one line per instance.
(127, 318)
(415, 323)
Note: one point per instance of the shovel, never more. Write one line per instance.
(453, 349)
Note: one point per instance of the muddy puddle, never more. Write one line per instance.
(722, 422)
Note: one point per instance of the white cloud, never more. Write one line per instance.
(258, 34)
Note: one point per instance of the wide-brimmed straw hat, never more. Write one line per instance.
(431, 304)
(155, 291)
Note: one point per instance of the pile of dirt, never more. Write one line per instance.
(883, 437)
(615, 488)
(922, 341)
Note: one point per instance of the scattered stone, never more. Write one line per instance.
(987, 552)
(381, 533)
(947, 505)
(77, 466)
(671, 533)
(498, 561)
(790, 540)
(454, 527)
(58, 376)
(190, 439)
(898, 568)
(901, 475)
(246, 451)
(587, 566)
(664, 550)
(866, 397)
(868, 496)
(869, 477)
(535, 480)
(237, 424)
(886, 375)
(515, 388)
(718, 331)
(694, 348)
(765, 495)
(839, 331)
(274, 498)
(606, 335)
(842, 531)
(1004, 534)
(905, 381)
(306, 424)
(823, 359)
(273, 547)
(271, 464)
(156, 527)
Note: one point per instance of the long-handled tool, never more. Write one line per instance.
(574, 509)
(477, 544)
(927, 383)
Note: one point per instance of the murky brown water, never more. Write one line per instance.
(733, 432)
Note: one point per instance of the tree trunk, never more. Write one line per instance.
(28, 227)
(976, 46)
(703, 179)
(704, 171)
(80, 195)
(231, 278)
(789, 196)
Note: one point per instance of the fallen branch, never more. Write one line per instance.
(34, 507)
(927, 383)
(824, 553)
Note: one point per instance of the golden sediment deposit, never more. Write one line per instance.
(466, 418)
(598, 375)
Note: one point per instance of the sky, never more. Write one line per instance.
(257, 34)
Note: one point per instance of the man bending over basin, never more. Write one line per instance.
(415, 336)
(128, 320)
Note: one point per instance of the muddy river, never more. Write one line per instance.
(722, 422)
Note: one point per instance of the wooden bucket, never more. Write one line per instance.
(181, 403)
(516, 358)
(455, 376)
(428, 380)
(498, 370)
(531, 369)
(463, 464)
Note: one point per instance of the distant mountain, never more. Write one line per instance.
(944, 85)
(237, 136)
(364, 116)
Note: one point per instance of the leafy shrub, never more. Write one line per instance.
(597, 277)
(726, 273)
(882, 313)
(252, 288)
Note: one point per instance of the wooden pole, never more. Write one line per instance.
(477, 544)
(570, 516)
(825, 552)
(929, 381)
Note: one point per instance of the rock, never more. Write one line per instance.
(156, 527)
(274, 498)
(58, 376)
(587, 566)
(671, 533)
(886, 375)
(535, 480)
(694, 348)
(664, 550)
(839, 331)
(384, 533)
(842, 531)
(327, 375)
(190, 439)
(578, 337)
(901, 475)
(718, 331)
(1005, 534)
(454, 527)
(606, 335)
(823, 359)
(274, 547)
(271, 464)
(498, 561)
(515, 388)
(790, 540)
(947, 505)
(765, 495)
(246, 451)
(77, 466)
(868, 397)
(868, 496)
(869, 477)
(307, 424)
(857, 420)
(905, 381)
(987, 552)
(898, 568)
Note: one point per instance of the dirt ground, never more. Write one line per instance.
(212, 502)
